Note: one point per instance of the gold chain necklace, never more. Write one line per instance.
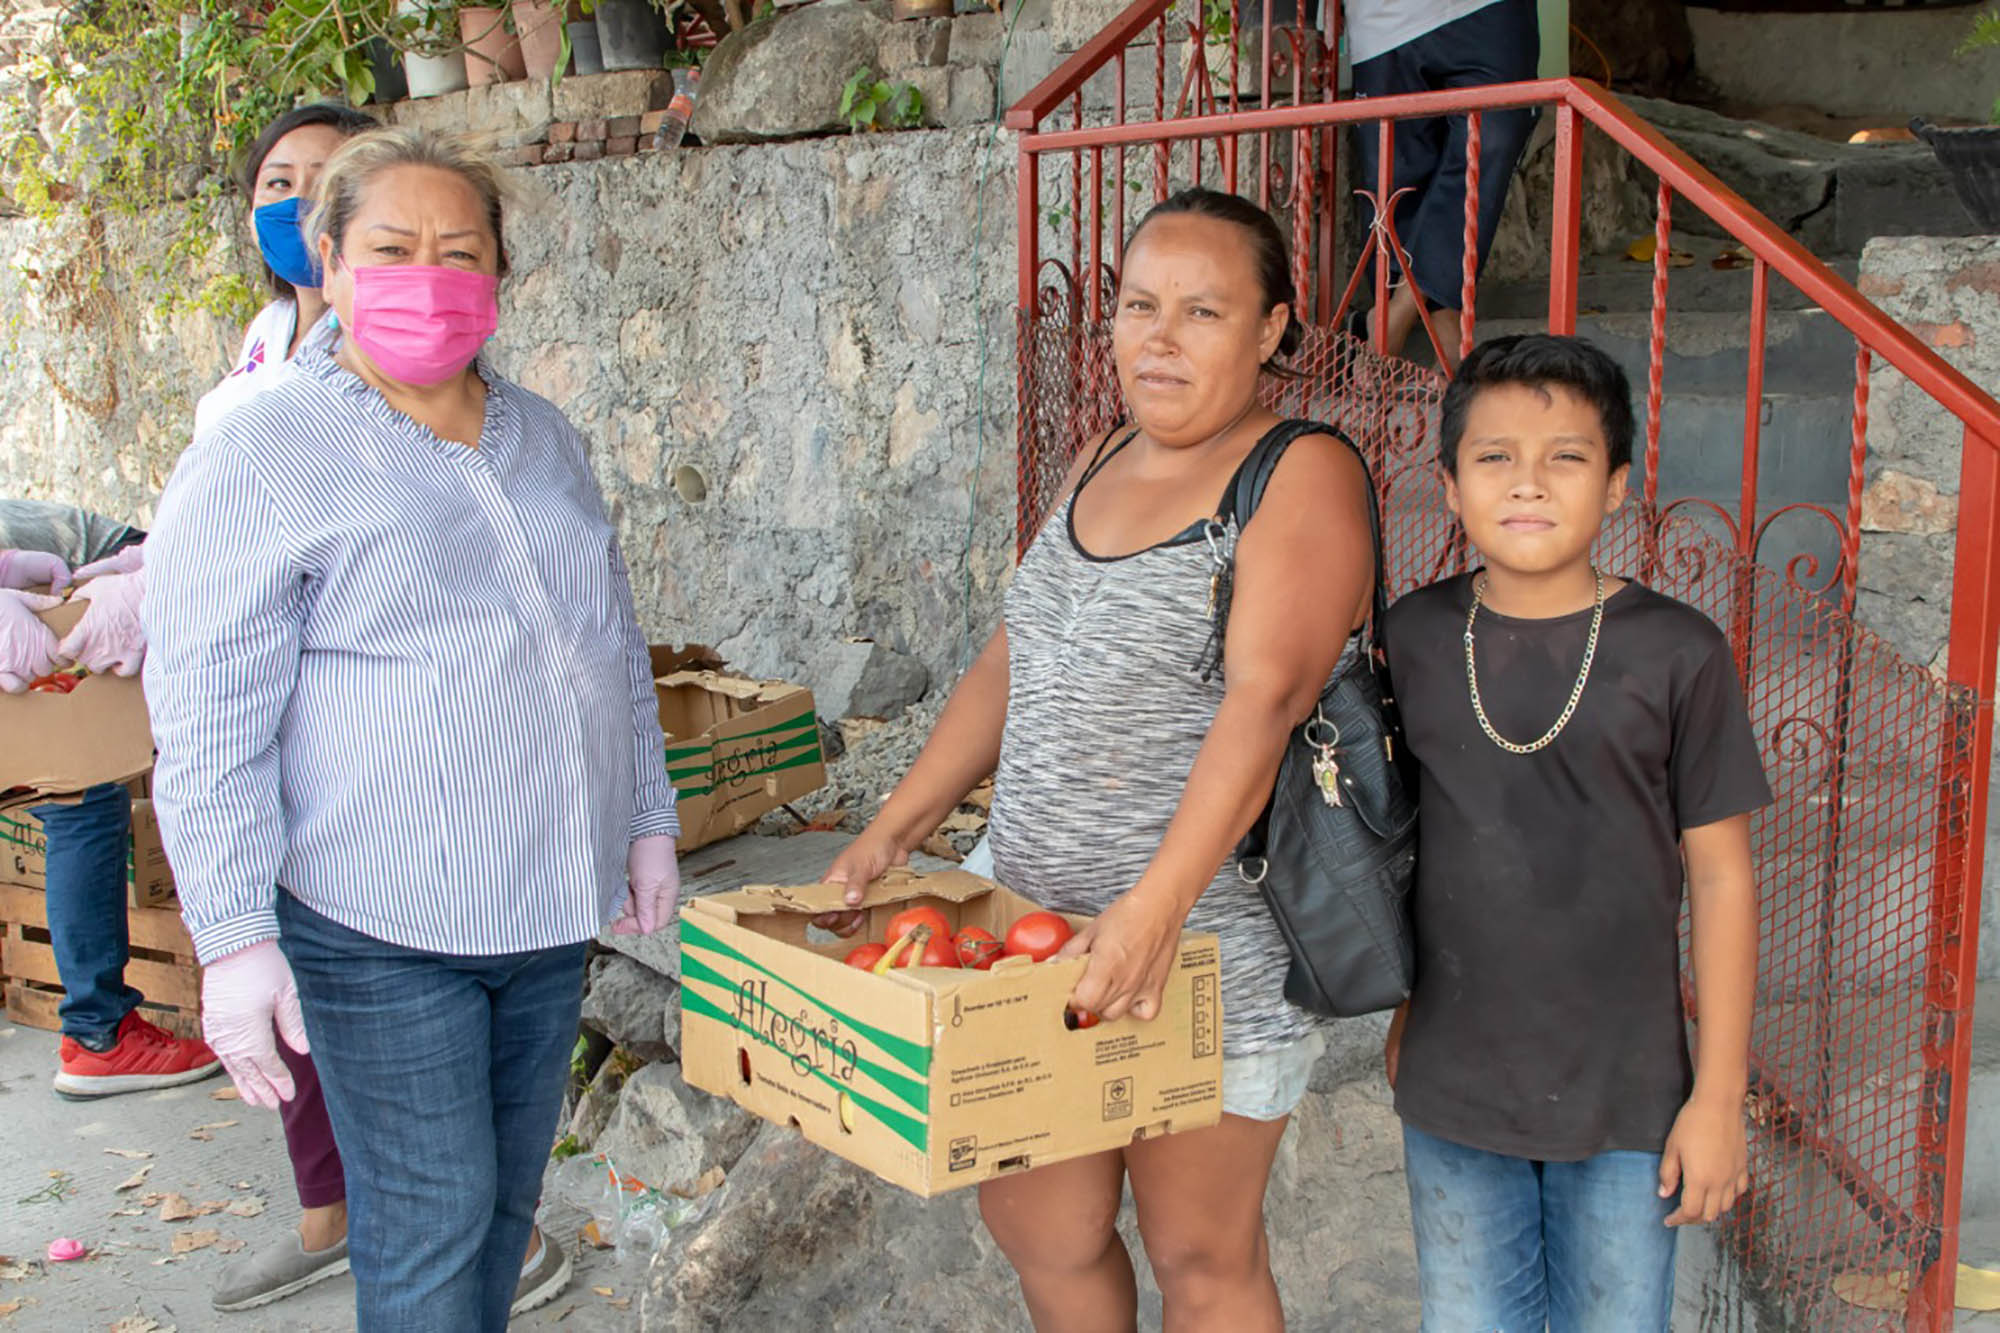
(1575, 695)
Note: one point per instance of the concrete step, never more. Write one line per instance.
(1615, 283)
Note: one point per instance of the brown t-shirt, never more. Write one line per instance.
(1546, 1021)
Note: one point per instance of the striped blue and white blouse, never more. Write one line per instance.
(397, 676)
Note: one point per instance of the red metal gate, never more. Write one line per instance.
(1870, 859)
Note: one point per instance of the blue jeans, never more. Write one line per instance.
(444, 1076)
(1509, 1245)
(88, 845)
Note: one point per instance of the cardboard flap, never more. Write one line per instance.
(690, 657)
(898, 885)
(740, 688)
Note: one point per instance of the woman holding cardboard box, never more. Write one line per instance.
(396, 674)
(1126, 774)
(107, 1045)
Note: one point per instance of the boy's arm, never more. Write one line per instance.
(1706, 1156)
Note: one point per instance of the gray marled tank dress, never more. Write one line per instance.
(1105, 713)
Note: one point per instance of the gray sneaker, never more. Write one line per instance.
(263, 1276)
(543, 1279)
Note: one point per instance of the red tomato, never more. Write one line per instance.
(867, 956)
(1038, 935)
(1076, 1020)
(905, 921)
(938, 952)
(62, 682)
(977, 948)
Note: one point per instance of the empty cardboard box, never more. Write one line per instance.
(736, 747)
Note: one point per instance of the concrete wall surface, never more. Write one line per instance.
(775, 353)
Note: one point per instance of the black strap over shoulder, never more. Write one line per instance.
(1253, 476)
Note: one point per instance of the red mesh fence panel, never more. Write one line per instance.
(1845, 1185)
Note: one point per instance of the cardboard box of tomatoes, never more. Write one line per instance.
(74, 734)
(736, 747)
(938, 1075)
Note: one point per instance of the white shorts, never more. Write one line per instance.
(1267, 1085)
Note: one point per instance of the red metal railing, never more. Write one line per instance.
(1871, 859)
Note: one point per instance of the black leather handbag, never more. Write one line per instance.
(1335, 851)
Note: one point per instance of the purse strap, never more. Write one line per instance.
(1246, 491)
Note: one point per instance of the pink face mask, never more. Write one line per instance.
(422, 324)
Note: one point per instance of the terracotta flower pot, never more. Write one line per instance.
(492, 54)
(540, 25)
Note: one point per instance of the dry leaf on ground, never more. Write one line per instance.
(593, 1237)
(136, 1153)
(226, 1094)
(128, 1212)
(8, 1307)
(153, 1200)
(176, 1208)
(139, 1323)
(622, 1303)
(15, 1270)
(244, 1207)
(136, 1179)
(201, 1239)
(206, 1133)
(229, 1245)
(1645, 248)
(602, 1291)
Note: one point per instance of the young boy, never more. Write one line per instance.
(1581, 739)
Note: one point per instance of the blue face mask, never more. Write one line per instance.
(283, 244)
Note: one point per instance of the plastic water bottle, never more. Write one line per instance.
(687, 85)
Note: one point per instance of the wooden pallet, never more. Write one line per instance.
(161, 964)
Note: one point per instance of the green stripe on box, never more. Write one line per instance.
(911, 1130)
(914, 1094)
(912, 1056)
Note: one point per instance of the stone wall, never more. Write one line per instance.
(775, 351)
(1947, 291)
(1888, 60)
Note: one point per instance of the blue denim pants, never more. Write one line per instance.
(444, 1077)
(87, 848)
(1509, 1245)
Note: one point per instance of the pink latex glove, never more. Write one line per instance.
(655, 877)
(109, 638)
(31, 569)
(27, 646)
(123, 561)
(242, 994)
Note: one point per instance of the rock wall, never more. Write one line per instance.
(775, 352)
(1947, 291)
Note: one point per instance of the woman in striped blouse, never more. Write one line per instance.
(395, 672)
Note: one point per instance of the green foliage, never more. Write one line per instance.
(166, 98)
(872, 103)
(1985, 36)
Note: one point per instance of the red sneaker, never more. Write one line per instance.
(143, 1057)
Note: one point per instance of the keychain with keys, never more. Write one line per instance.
(1326, 763)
